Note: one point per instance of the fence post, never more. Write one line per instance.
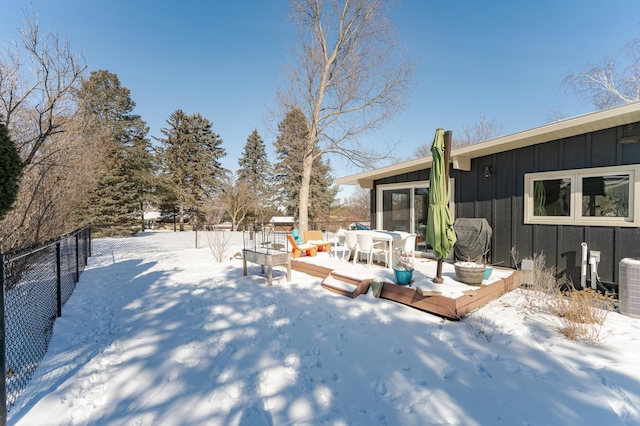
(87, 240)
(58, 279)
(3, 351)
(77, 256)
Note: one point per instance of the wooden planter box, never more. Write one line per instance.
(268, 258)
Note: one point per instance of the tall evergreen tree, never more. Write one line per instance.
(255, 175)
(105, 108)
(291, 148)
(190, 161)
(10, 171)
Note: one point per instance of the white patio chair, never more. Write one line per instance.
(365, 245)
(350, 242)
(408, 245)
(340, 244)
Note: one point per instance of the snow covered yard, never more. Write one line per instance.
(174, 338)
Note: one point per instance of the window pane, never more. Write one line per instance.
(396, 209)
(605, 196)
(552, 197)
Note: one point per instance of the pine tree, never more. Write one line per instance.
(255, 174)
(105, 107)
(190, 162)
(290, 149)
(10, 171)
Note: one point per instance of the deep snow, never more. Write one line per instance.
(174, 338)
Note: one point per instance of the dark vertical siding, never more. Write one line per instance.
(485, 188)
(603, 148)
(522, 236)
(499, 199)
(545, 241)
(503, 204)
(574, 152)
(570, 253)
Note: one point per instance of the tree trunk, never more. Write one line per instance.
(305, 200)
(142, 216)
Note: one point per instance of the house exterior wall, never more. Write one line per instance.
(499, 199)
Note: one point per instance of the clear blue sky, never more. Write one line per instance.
(224, 58)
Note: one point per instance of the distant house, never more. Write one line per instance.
(152, 218)
(282, 223)
(543, 190)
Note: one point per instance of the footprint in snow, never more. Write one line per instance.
(379, 387)
(337, 351)
(483, 371)
(396, 349)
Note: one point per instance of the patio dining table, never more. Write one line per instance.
(391, 238)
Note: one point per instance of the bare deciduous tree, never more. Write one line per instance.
(607, 83)
(348, 78)
(37, 76)
(35, 94)
(359, 203)
(479, 131)
(237, 200)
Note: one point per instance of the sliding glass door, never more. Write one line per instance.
(404, 207)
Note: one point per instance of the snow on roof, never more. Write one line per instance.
(282, 219)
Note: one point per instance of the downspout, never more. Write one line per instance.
(583, 269)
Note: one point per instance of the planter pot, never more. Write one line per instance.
(403, 276)
(487, 272)
(471, 275)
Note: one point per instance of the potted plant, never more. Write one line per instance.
(403, 267)
(470, 273)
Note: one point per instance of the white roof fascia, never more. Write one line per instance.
(461, 157)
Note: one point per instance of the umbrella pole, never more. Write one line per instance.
(447, 155)
(438, 279)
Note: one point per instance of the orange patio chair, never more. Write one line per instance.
(298, 249)
(315, 238)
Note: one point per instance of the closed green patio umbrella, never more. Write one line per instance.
(440, 234)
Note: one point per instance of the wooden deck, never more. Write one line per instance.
(435, 304)
(447, 307)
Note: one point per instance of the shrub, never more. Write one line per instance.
(581, 313)
(478, 327)
(218, 243)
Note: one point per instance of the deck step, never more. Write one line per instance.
(346, 286)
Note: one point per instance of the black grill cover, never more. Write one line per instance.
(473, 239)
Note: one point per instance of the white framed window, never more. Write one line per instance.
(603, 196)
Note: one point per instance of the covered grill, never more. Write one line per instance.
(473, 239)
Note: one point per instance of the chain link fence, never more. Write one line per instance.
(37, 283)
(167, 239)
